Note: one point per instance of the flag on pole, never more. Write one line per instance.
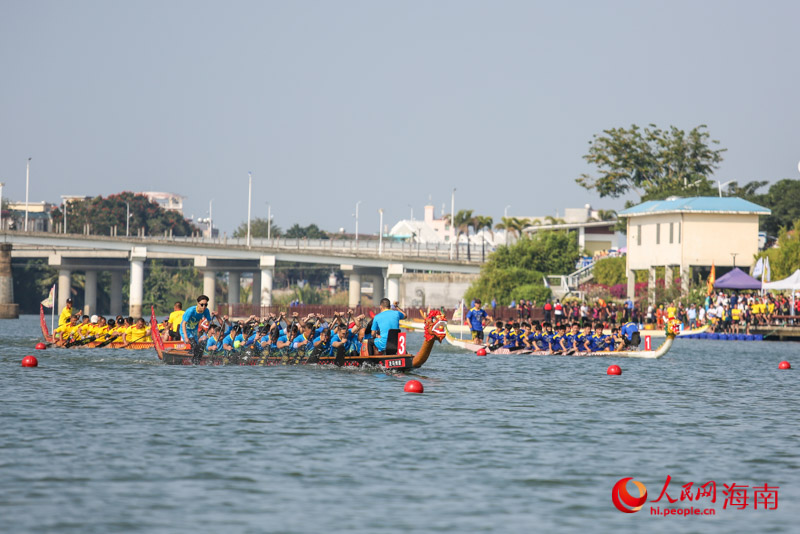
(48, 302)
(711, 279)
(759, 268)
(458, 314)
(767, 271)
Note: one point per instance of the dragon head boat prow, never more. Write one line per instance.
(435, 330)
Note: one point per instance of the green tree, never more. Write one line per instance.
(103, 214)
(311, 231)
(258, 228)
(784, 259)
(525, 263)
(651, 162)
(610, 271)
(783, 199)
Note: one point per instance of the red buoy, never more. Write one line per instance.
(40, 346)
(614, 370)
(481, 352)
(413, 386)
(784, 365)
(30, 361)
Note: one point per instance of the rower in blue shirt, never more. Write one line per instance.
(193, 316)
(496, 336)
(387, 319)
(599, 339)
(477, 318)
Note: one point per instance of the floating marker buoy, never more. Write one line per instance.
(481, 352)
(30, 361)
(784, 365)
(413, 386)
(614, 370)
(40, 346)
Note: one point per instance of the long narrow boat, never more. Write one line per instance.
(435, 331)
(136, 345)
(647, 354)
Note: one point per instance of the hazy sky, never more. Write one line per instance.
(390, 103)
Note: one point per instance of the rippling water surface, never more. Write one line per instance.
(113, 441)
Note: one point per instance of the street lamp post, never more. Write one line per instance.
(1, 205)
(127, 219)
(380, 232)
(719, 185)
(65, 215)
(269, 221)
(249, 196)
(452, 222)
(357, 203)
(27, 182)
(210, 219)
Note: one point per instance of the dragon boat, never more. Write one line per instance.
(396, 360)
(136, 345)
(672, 330)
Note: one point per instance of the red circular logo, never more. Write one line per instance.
(624, 501)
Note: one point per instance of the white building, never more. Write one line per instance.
(431, 230)
(690, 232)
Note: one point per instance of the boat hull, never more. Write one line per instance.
(387, 363)
(646, 354)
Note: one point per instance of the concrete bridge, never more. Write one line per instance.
(383, 265)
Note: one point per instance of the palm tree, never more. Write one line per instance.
(462, 222)
(605, 215)
(484, 222)
(512, 225)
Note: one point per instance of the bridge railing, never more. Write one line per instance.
(399, 249)
(472, 253)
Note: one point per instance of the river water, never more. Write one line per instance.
(98, 441)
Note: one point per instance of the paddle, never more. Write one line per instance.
(125, 345)
(80, 342)
(107, 342)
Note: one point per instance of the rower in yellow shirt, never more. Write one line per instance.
(138, 333)
(64, 331)
(175, 319)
(66, 313)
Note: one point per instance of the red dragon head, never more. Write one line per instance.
(435, 325)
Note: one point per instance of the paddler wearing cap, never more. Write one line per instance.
(65, 314)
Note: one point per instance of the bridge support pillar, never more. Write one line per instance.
(667, 277)
(393, 274)
(686, 277)
(651, 286)
(255, 292)
(64, 288)
(8, 310)
(377, 289)
(210, 287)
(632, 285)
(267, 264)
(116, 293)
(138, 257)
(90, 293)
(234, 284)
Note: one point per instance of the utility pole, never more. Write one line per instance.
(27, 182)
(452, 222)
(249, 196)
(380, 233)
